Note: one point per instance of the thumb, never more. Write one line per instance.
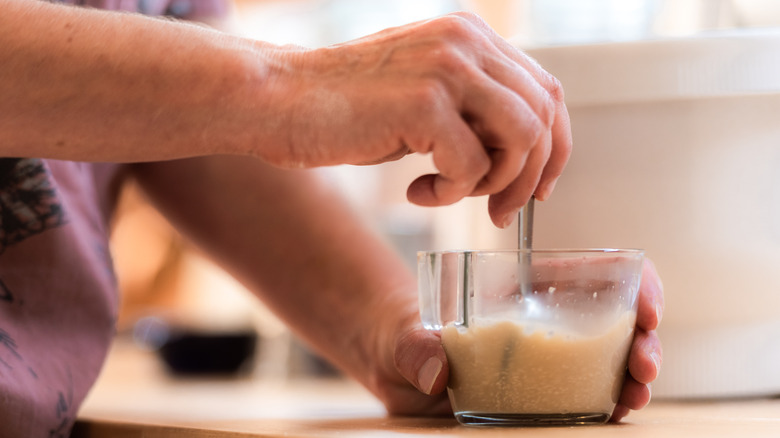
(420, 359)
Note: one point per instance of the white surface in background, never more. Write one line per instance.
(316, 23)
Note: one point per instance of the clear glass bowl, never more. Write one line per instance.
(533, 337)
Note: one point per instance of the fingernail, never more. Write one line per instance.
(509, 218)
(544, 192)
(656, 361)
(659, 312)
(428, 373)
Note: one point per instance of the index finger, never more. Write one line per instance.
(559, 154)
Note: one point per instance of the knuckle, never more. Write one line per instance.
(482, 165)
(456, 26)
(430, 96)
(475, 174)
(553, 100)
(447, 59)
(546, 79)
(471, 17)
(535, 127)
(547, 112)
(555, 88)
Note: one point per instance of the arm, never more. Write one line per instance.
(91, 85)
(81, 84)
(292, 240)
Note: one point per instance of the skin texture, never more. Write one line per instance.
(218, 128)
(130, 88)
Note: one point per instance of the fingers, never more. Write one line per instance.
(619, 413)
(651, 298)
(518, 122)
(645, 358)
(560, 151)
(521, 140)
(561, 140)
(492, 118)
(644, 365)
(511, 130)
(504, 205)
(508, 49)
(461, 161)
(420, 359)
(635, 395)
(485, 147)
(644, 361)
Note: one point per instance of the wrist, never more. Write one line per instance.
(266, 97)
(244, 116)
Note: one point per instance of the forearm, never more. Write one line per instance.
(292, 239)
(92, 85)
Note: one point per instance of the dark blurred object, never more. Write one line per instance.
(190, 351)
(199, 353)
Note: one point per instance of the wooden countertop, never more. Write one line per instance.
(135, 398)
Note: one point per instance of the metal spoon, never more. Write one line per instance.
(525, 225)
(525, 230)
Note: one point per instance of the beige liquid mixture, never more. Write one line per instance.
(504, 367)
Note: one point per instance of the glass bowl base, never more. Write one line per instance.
(513, 420)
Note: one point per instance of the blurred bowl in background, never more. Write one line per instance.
(189, 351)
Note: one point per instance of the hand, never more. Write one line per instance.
(493, 120)
(413, 382)
(412, 372)
(644, 361)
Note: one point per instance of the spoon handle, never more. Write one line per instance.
(525, 230)
(525, 225)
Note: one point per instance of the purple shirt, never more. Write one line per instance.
(58, 292)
